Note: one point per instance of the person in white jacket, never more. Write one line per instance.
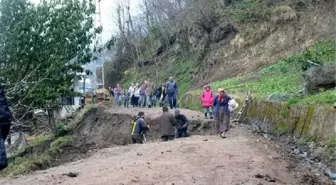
(131, 93)
(136, 95)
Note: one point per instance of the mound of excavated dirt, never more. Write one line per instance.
(102, 126)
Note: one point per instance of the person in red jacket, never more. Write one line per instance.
(207, 98)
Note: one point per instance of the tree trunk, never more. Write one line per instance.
(120, 25)
(147, 14)
(84, 79)
(52, 121)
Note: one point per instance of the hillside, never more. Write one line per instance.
(285, 132)
(206, 42)
(284, 79)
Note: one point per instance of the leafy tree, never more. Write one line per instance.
(43, 48)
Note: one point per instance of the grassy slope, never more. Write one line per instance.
(179, 68)
(42, 152)
(26, 161)
(285, 76)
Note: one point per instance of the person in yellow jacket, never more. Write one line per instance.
(139, 129)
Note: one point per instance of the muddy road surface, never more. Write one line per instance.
(240, 159)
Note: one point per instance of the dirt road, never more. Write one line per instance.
(242, 158)
(194, 160)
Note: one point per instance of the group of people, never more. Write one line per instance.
(146, 94)
(218, 107)
(171, 126)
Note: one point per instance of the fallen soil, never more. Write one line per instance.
(242, 158)
(104, 126)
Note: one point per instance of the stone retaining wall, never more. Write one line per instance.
(317, 121)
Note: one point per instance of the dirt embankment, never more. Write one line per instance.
(103, 126)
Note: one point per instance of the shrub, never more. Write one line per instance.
(61, 130)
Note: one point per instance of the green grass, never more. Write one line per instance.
(57, 145)
(269, 80)
(327, 97)
(79, 116)
(285, 76)
(248, 11)
(33, 161)
(27, 164)
(41, 139)
(177, 66)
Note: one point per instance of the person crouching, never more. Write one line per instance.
(139, 128)
(181, 125)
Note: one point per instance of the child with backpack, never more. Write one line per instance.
(207, 98)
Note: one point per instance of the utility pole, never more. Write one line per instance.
(98, 43)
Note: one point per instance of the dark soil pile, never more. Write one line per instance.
(103, 127)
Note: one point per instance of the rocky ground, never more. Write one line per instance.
(242, 158)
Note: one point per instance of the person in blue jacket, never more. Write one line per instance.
(221, 112)
(172, 91)
(5, 122)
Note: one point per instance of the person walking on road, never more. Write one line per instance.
(162, 93)
(118, 94)
(149, 92)
(139, 128)
(5, 123)
(111, 92)
(131, 93)
(222, 112)
(167, 123)
(154, 99)
(136, 95)
(142, 93)
(157, 95)
(172, 92)
(207, 101)
(126, 98)
(181, 124)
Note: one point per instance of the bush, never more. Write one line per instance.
(321, 53)
(246, 11)
(61, 130)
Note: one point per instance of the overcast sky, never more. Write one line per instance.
(108, 9)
